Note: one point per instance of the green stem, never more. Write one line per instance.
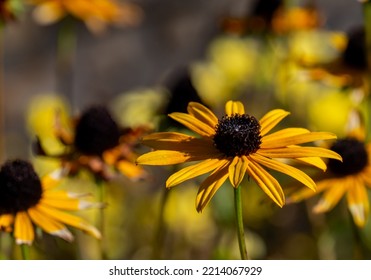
(239, 223)
(25, 249)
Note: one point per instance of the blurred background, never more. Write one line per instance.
(177, 51)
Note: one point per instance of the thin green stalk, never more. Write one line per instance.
(25, 249)
(239, 223)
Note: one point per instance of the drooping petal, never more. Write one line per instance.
(49, 225)
(298, 152)
(286, 169)
(305, 193)
(202, 113)
(194, 170)
(68, 219)
(271, 119)
(23, 229)
(275, 141)
(332, 195)
(358, 203)
(237, 170)
(6, 222)
(193, 124)
(267, 183)
(209, 187)
(234, 107)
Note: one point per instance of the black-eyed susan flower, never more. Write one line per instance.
(95, 142)
(349, 178)
(27, 201)
(96, 14)
(233, 146)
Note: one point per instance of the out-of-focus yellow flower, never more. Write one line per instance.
(311, 47)
(145, 104)
(331, 112)
(349, 178)
(94, 141)
(229, 66)
(42, 113)
(96, 14)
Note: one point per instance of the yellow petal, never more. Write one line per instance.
(267, 183)
(49, 225)
(274, 140)
(271, 119)
(65, 204)
(68, 219)
(23, 229)
(237, 170)
(298, 152)
(358, 203)
(305, 193)
(6, 222)
(286, 169)
(163, 158)
(52, 179)
(202, 113)
(210, 186)
(332, 195)
(186, 145)
(194, 171)
(234, 107)
(314, 161)
(193, 124)
(130, 170)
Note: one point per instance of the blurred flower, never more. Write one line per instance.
(348, 69)
(145, 104)
(95, 142)
(233, 145)
(230, 64)
(42, 113)
(350, 178)
(96, 14)
(25, 199)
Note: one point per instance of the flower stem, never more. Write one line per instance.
(239, 223)
(25, 251)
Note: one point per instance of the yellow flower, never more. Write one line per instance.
(232, 146)
(95, 142)
(25, 199)
(96, 14)
(350, 178)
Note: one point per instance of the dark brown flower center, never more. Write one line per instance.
(96, 131)
(354, 154)
(20, 187)
(237, 135)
